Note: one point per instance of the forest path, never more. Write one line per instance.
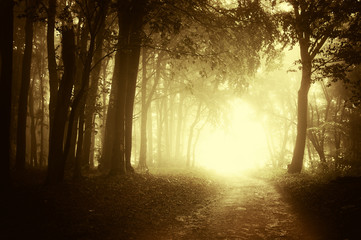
(248, 208)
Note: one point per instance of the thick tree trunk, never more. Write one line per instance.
(24, 91)
(6, 52)
(117, 164)
(130, 96)
(136, 14)
(56, 160)
(130, 17)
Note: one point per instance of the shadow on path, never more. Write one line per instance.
(248, 208)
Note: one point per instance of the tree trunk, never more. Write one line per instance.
(298, 153)
(130, 96)
(110, 124)
(56, 160)
(146, 104)
(199, 131)
(79, 146)
(130, 20)
(142, 166)
(42, 121)
(53, 76)
(91, 96)
(160, 132)
(150, 136)
(136, 15)
(117, 165)
(191, 132)
(180, 118)
(24, 89)
(33, 140)
(6, 52)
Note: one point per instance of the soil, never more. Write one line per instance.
(181, 205)
(247, 208)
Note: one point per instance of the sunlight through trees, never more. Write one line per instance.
(128, 86)
(117, 113)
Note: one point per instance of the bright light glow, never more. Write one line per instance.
(242, 147)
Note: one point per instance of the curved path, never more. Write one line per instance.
(248, 208)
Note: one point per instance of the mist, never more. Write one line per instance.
(181, 119)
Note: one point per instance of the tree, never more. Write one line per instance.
(6, 52)
(56, 159)
(146, 100)
(91, 96)
(130, 22)
(311, 24)
(52, 65)
(94, 13)
(30, 11)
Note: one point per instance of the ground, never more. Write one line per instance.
(247, 208)
(182, 205)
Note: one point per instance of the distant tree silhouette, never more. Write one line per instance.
(30, 13)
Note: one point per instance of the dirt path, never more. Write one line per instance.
(248, 208)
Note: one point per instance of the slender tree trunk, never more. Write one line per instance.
(298, 153)
(150, 135)
(53, 76)
(160, 132)
(42, 121)
(78, 106)
(92, 151)
(103, 163)
(24, 89)
(91, 96)
(171, 127)
(286, 129)
(270, 146)
(33, 140)
(146, 104)
(337, 133)
(199, 131)
(6, 52)
(79, 146)
(166, 119)
(191, 132)
(179, 126)
(144, 116)
(110, 124)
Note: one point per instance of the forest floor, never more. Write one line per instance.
(183, 205)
